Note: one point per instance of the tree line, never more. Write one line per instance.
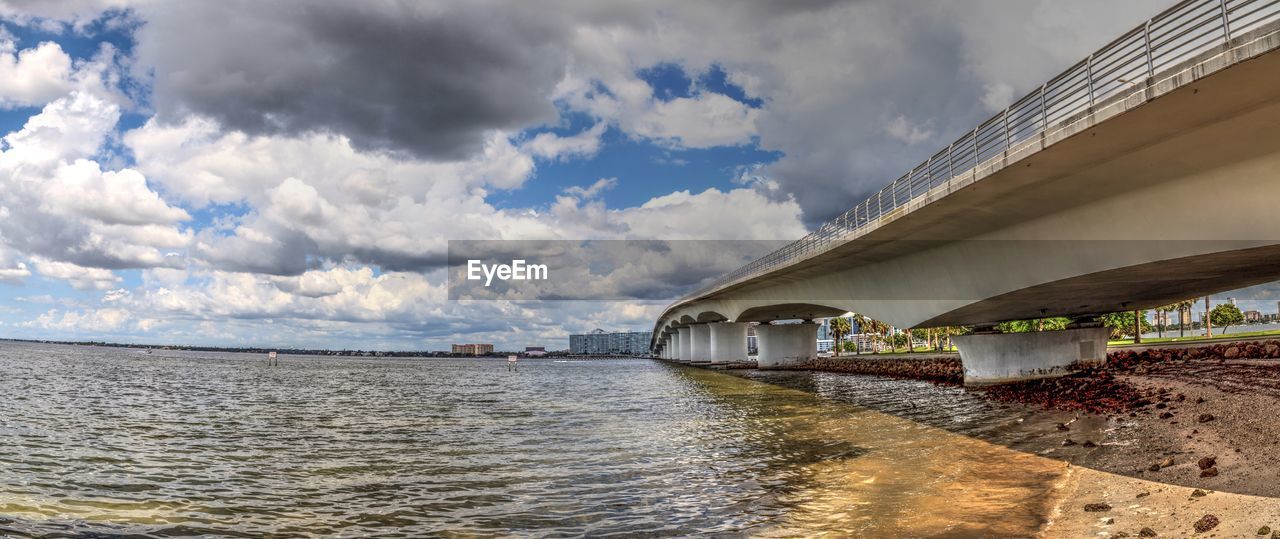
(1122, 325)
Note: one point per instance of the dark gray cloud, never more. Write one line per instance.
(427, 80)
(907, 78)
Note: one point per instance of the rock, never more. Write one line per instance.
(1161, 405)
(1167, 462)
(1142, 495)
(1089, 443)
(1205, 418)
(1062, 426)
(1096, 507)
(1166, 415)
(1068, 442)
(1200, 400)
(1211, 472)
(1206, 523)
(1265, 530)
(1197, 493)
(1147, 532)
(1154, 468)
(1207, 462)
(1109, 521)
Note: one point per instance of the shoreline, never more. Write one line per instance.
(1161, 422)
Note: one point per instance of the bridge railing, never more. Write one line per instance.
(1187, 29)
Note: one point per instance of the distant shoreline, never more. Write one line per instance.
(291, 351)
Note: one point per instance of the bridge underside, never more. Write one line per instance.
(1172, 199)
(1176, 195)
(1142, 286)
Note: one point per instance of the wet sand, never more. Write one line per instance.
(1215, 433)
(1141, 435)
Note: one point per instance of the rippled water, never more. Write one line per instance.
(110, 441)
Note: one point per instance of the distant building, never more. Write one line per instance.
(826, 345)
(473, 349)
(599, 342)
(1252, 316)
(1161, 318)
(1186, 317)
(535, 351)
(752, 342)
(824, 334)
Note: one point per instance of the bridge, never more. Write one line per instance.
(1147, 173)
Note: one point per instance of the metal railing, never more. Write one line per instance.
(1180, 33)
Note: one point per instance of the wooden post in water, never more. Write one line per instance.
(273, 358)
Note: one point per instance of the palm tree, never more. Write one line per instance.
(1179, 307)
(840, 327)
(1184, 306)
(873, 327)
(1162, 316)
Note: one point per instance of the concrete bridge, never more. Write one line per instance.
(1147, 173)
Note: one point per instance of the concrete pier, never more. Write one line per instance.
(997, 358)
(728, 342)
(784, 345)
(685, 339)
(700, 346)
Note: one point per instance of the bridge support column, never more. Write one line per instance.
(700, 346)
(666, 347)
(997, 358)
(685, 337)
(728, 342)
(784, 345)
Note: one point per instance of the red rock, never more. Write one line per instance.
(1206, 523)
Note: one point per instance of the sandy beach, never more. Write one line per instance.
(1155, 441)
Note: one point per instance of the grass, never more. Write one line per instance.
(1199, 338)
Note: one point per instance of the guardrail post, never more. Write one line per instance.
(977, 155)
(1008, 141)
(1151, 66)
(1044, 110)
(951, 164)
(1088, 67)
(1226, 20)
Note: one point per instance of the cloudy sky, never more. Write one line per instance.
(289, 173)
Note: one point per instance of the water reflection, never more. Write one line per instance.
(110, 441)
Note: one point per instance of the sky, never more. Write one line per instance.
(290, 173)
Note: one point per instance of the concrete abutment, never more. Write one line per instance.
(786, 345)
(997, 358)
(728, 342)
(700, 345)
(684, 338)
